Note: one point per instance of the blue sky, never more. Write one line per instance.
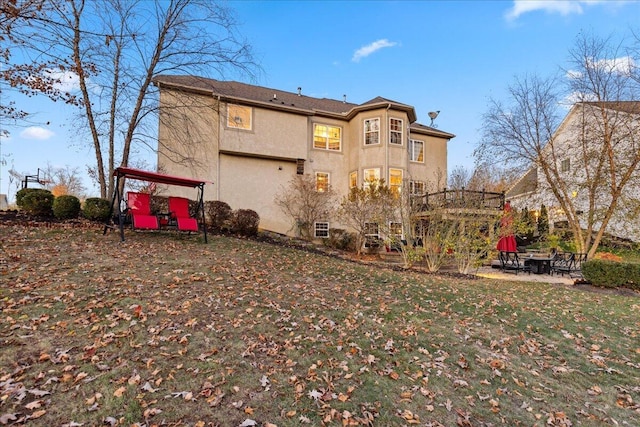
(434, 55)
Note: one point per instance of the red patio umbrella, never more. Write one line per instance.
(507, 242)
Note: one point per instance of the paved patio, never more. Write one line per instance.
(495, 273)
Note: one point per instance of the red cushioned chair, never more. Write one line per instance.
(179, 211)
(139, 205)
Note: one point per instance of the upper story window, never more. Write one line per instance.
(395, 180)
(565, 165)
(327, 137)
(417, 188)
(322, 182)
(372, 131)
(416, 151)
(239, 116)
(395, 131)
(353, 179)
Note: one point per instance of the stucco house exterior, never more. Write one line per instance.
(576, 148)
(250, 141)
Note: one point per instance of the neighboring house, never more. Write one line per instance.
(576, 146)
(251, 141)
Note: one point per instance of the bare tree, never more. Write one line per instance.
(459, 178)
(602, 146)
(64, 180)
(372, 204)
(115, 47)
(33, 73)
(305, 204)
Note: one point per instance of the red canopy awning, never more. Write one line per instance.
(143, 175)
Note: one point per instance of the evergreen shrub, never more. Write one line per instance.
(96, 209)
(38, 201)
(66, 207)
(611, 274)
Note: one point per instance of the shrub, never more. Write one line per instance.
(340, 239)
(96, 209)
(612, 274)
(218, 214)
(21, 193)
(66, 207)
(38, 201)
(245, 222)
(159, 204)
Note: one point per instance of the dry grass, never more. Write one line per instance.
(165, 330)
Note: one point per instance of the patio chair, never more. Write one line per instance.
(561, 263)
(179, 212)
(576, 268)
(139, 208)
(510, 262)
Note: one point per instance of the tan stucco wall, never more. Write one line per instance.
(272, 134)
(247, 181)
(250, 183)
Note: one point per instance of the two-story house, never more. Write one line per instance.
(587, 172)
(250, 141)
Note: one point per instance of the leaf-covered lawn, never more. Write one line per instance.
(166, 330)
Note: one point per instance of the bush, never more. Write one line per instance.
(21, 193)
(218, 214)
(37, 201)
(96, 209)
(612, 274)
(159, 204)
(66, 207)
(245, 222)
(340, 239)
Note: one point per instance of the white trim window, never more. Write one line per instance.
(417, 188)
(565, 165)
(322, 182)
(416, 150)
(372, 131)
(395, 131)
(371, 234)
(353, 179)
(239, 116)
(321, 230)
(395, 231)
(370, 175)
(395, 180)
(326, 137)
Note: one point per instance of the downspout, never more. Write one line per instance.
(386, 144)
(218, 153)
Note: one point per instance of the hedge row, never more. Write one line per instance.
(41, 202)
(612, 274)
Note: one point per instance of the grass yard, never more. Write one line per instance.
(165, 330)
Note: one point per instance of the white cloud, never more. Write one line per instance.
(367, 50)
(563, 7)
(623, 65)
(68, 80)
(36, 132)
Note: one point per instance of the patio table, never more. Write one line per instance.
(539, 265)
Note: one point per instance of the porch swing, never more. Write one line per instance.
(138, 208)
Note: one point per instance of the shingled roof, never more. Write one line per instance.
(291, 101)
